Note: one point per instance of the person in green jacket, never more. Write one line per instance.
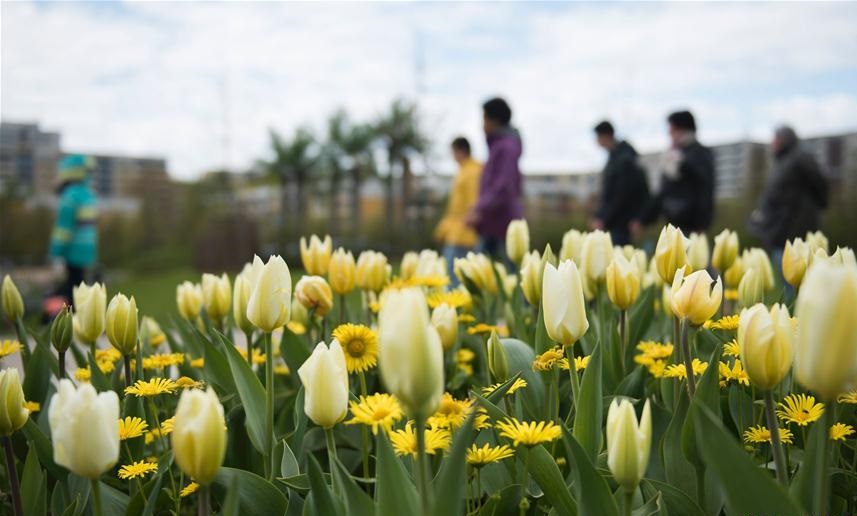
(74, 241)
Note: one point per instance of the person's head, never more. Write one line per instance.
(784, 139)
(74, 168)
(605, 135)
(460, 149)
(496, 113)
(681, 125)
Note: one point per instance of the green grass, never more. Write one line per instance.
(155, 292)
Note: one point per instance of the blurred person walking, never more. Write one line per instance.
(452, 231)
(686, 196)
(74, 240)
(501, 186)
(624, 187)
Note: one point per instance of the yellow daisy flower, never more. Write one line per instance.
(167, 426)
(282, 369)
(848, 397)
(433, 281)
(186, 382)
(547, 360)
(152, 434)
(736, 373)
(487, 454)
(482, 420)
(137, 469)
(450, 413)
(189, 489)
(580, 363)
(799, 409)
(360, 345)
(658, 368)
(9, 347)
(465, 356)
(107, 355)
(730, 294)
(378, 411)
(519, 383)
(162, 361)
(405, 441)
(33, 406)
(199, 363)
(131, 427)
(760, 434)
(727, 322)
(296, 327)
(466, 318)
(731, 349)
(83, 374)
(839, 431)
(678, 371)
(529, 433)
(455, 298)
(153, 387)
(484, 329)
(654, 349)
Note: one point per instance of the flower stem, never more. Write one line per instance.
(96, 497)
(364, 431)
(629, 498)
(776, 444)
(331, 458)
(204, 508)
(623, 336)
(678, 351)
(269, 407)
(575, 381)
(422, 466)
(688, 360)
(127, 361)
(61, 359)
(822, 480)
(14, 485)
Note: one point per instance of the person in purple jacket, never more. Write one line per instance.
(500, 188)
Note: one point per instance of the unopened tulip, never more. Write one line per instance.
(371, 271)
(498, 363)
(596, 255)
(734, 273)
(517, 240)
(572, 246)
(670, 252)
(795, 261)
(240, 299)
(410, 352)
(299, 313)
(342, 271)
(189, 300)
(271, 295)
(476, 271)
(816, 240)
(199, 435)
(217, 295)
(316, 255)
(563, 302)
(826, 348)
(532, 269)
(122, 323)
(325, 380)
(844, 256)
(725, 250)
(751, 289)
(62, 330)
(90, 306)
(444, 318)
(695, 297)
(765, 340)
(314, 293)
(84, 432)
(628, 443)
(10, 297)
(623, 282)
(430, 263)
(13, 413)
(408, 266)
(756, 258)
(151, 332)
(697, 251)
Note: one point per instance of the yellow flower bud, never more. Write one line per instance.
(62, 330)
(342, 271)
(408, 267)
(410, 352)
(325, 380)
(628, 443)
(697, 251)
(734, 273)
(765, 342)
(90, 305)
(725, 250)
(751, 289)
(532, 269)
(623, 282)
(695, 297)
(517, 240)
(756, 258)
(10, 297)
(498, 363)
(670, 252)
(122, 323)
(572, 246)
(271, 294)
(563, 302)
(826, 347)
(314, 293)
(84, 432)
(476, 271)
(795, 261)
(844, 256)
(299, 313)
(199, 435)
(316, 255)
(189, 300)
(816, 240)
(371, 271)
(444, 318)
(217, 295)
(429, 263)
(13, 413)
(240, 299)
(596, 255)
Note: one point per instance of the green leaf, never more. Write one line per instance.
(654, 507)
(677, 501)
(680, 473)
(748, 489)
(113, 500)
(34, 495)
(639, 319)
(396, 493)
(543, 342)
(294, 349)
(587, 421)
(216, 368)
(707, 393)
(72, 508)
(44, 449)
(320, 495)
(355, 499)
(97, 378)
(231, 505)
(257, 496)
(451, 479)
(740, 408)
(252, 396)
(803, 486)
(520, 358)
(545, 472)
(39, 373)
(152, 499)
(593, 494)
(289, 464)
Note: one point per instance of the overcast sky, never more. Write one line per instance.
(200, 83)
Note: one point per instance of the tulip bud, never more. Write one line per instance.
(734, 273)
(696, 297)
(596, 255)
(122, 323)
(189, 300)
(628, 443)
(476, 271)
(666, 300)
(517, 240)
(572, 246)
(444, 318)
(240, 299)
(342, 271)
(498, 363)
(697, 251)
(271, 295)
(411, 354)
(670, 252)
(429, 263)
(755, 258)
(325, 380)
(217, 295)
(90, 304)
(13, 413)
(316, 255)
(751, 289)
(563, 303)
(371, 271)
(816, 240)
(62, 330)
(725, 250)
(826, 346)
(151, 332)
(623, 282)
(765, 342)
(314, 293)
(408, 267)
(532, 269)
(13, 304)
(84, 432)
(844, 256)
(299, 313)
(795, 261)
(199, 435)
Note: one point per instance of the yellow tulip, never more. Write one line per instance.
(756, 258)
(751, 289)
(315, 294)
(826, 347)
(563, 303)
(734, 273)
(670, 254)
(372, 271)
(623, 282)
(816, 240)
(271, 295)
(342, 271)
(90, 305)
(697, 251)
(10, 297)
(189, 300)
(122, 326)
(595, 256)
(795, 261)
(572, 246)
(316, 255)
(430, 263)
(725, 250)
(325, 380)
(628, 443)
(408, 267)
(666, 300)
(444, 318)
(695, 297)
(240, 299)
(653, 273)
(517, 240)
(844, 256)
(216, 295)
(532, 269)
(476, 270)
(13, 413)
(199, 435)
(299, 313)
(765, 341)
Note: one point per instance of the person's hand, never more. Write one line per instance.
(596, 223)
(636, 228)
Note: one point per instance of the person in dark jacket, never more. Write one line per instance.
(501, 186)
(686, 196)
(795, 193)
(624, 188)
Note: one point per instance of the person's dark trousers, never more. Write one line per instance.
(620, 236)
(74, 276)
